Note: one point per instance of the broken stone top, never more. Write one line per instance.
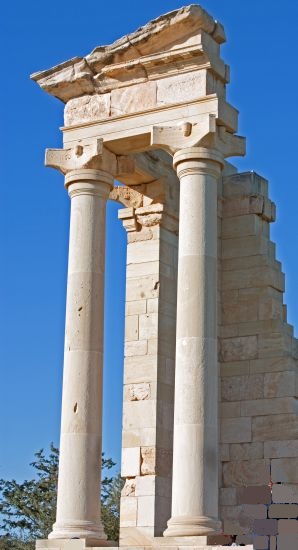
(183, 39)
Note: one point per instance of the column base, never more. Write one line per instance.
(184, 526)
(93, 534)
(72, 544)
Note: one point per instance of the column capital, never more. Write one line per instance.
(134, 219)
(205, 134)
(198, 160)
(89, 155)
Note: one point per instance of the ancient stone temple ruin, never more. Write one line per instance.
(209, 441)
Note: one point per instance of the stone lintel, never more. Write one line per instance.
(197, 35)
(132, 133)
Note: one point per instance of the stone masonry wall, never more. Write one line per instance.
(258, 356)
(150, 323)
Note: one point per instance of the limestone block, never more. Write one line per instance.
(284, 470)
(128, 512)
(270, 309)
(255, 511)
(248, 183)
(139, 414)
(230, 410)
(236, 368)
(281, 449)
(242, 226)
(262, 327)
(145, 485)
(129, 489)
(284, 427)
(87, 108)
(139, 369)
(283, 511)
(136, 307)
(261, 542)
(183, 87)
(153, 346)
(146, 511)
(249, 204)
(235, 430)
(245, 473)
(259, 494)
(244, 246)
(132, 328)
(287, 526)
(238, 388)
(287, 542)
(224, 450)
(285, 493)
(237, 349)
(228, 496)
(134, 270)
(152, 305)
(279, 384)
(148, 326)
(272, 364)
(148, 464)
(246, 451)
(271, 345)
(136, 347)
(239, 310)
(138, 436)
(138, 392)
(258, 407)
(235, 515)
(130, 462)
(140, 288)
(254, 277)
(138, 252)
(133, 99)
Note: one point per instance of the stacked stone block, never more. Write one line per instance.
(258, 354)
(150, 327)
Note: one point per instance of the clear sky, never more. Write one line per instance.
(262, 51)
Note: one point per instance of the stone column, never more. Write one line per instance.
(78, 504)
(195, 452)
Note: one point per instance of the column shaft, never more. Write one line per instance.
(195, 452)
(78, 504)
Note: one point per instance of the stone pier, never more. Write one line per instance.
(210, 429)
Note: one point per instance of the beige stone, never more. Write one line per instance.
(131, 328)
(279, 384)
(235, 430)
(281, 449)
(128, 512)
(130, 463)
(284, 470)
(283, 427)
(259, 407)
(237, 349)
(136, 307)
(139, 392)
(245, 473)
(82, 109)
(135, 348)
(239, 388)
(247, 451)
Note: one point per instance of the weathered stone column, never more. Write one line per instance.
(78, 503)
(195, 454)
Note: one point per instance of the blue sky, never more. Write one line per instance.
(262, 51)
